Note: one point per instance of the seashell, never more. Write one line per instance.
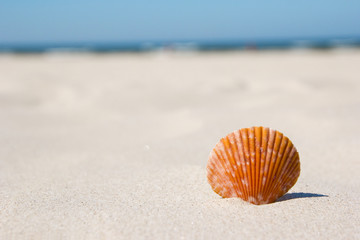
(257, 164)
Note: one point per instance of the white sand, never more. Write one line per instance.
(115, 146)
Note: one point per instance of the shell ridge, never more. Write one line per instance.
(278, 163)
(274, 162)
(227, 160)
(247, 161)
(295, 163)
(225, 178)
(287, 166)
(240, 152)
(289, 174)
(216, 164)
(252, 160)
(215, 170)
(229, 154)
(237, 160)
(258, 131)
(222, 152)
(268, 159)
(211, 175)
(284, 164)
(264, 145)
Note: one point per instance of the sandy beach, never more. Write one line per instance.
(115, 146)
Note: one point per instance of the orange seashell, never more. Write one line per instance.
(256, 164)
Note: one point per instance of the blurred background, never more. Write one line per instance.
(108, 25)
(109, 109)
(168, 69)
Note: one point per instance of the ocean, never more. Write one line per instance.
(181, 45)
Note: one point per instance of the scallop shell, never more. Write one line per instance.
(257, 164)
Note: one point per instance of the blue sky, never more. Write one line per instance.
(23, 21)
